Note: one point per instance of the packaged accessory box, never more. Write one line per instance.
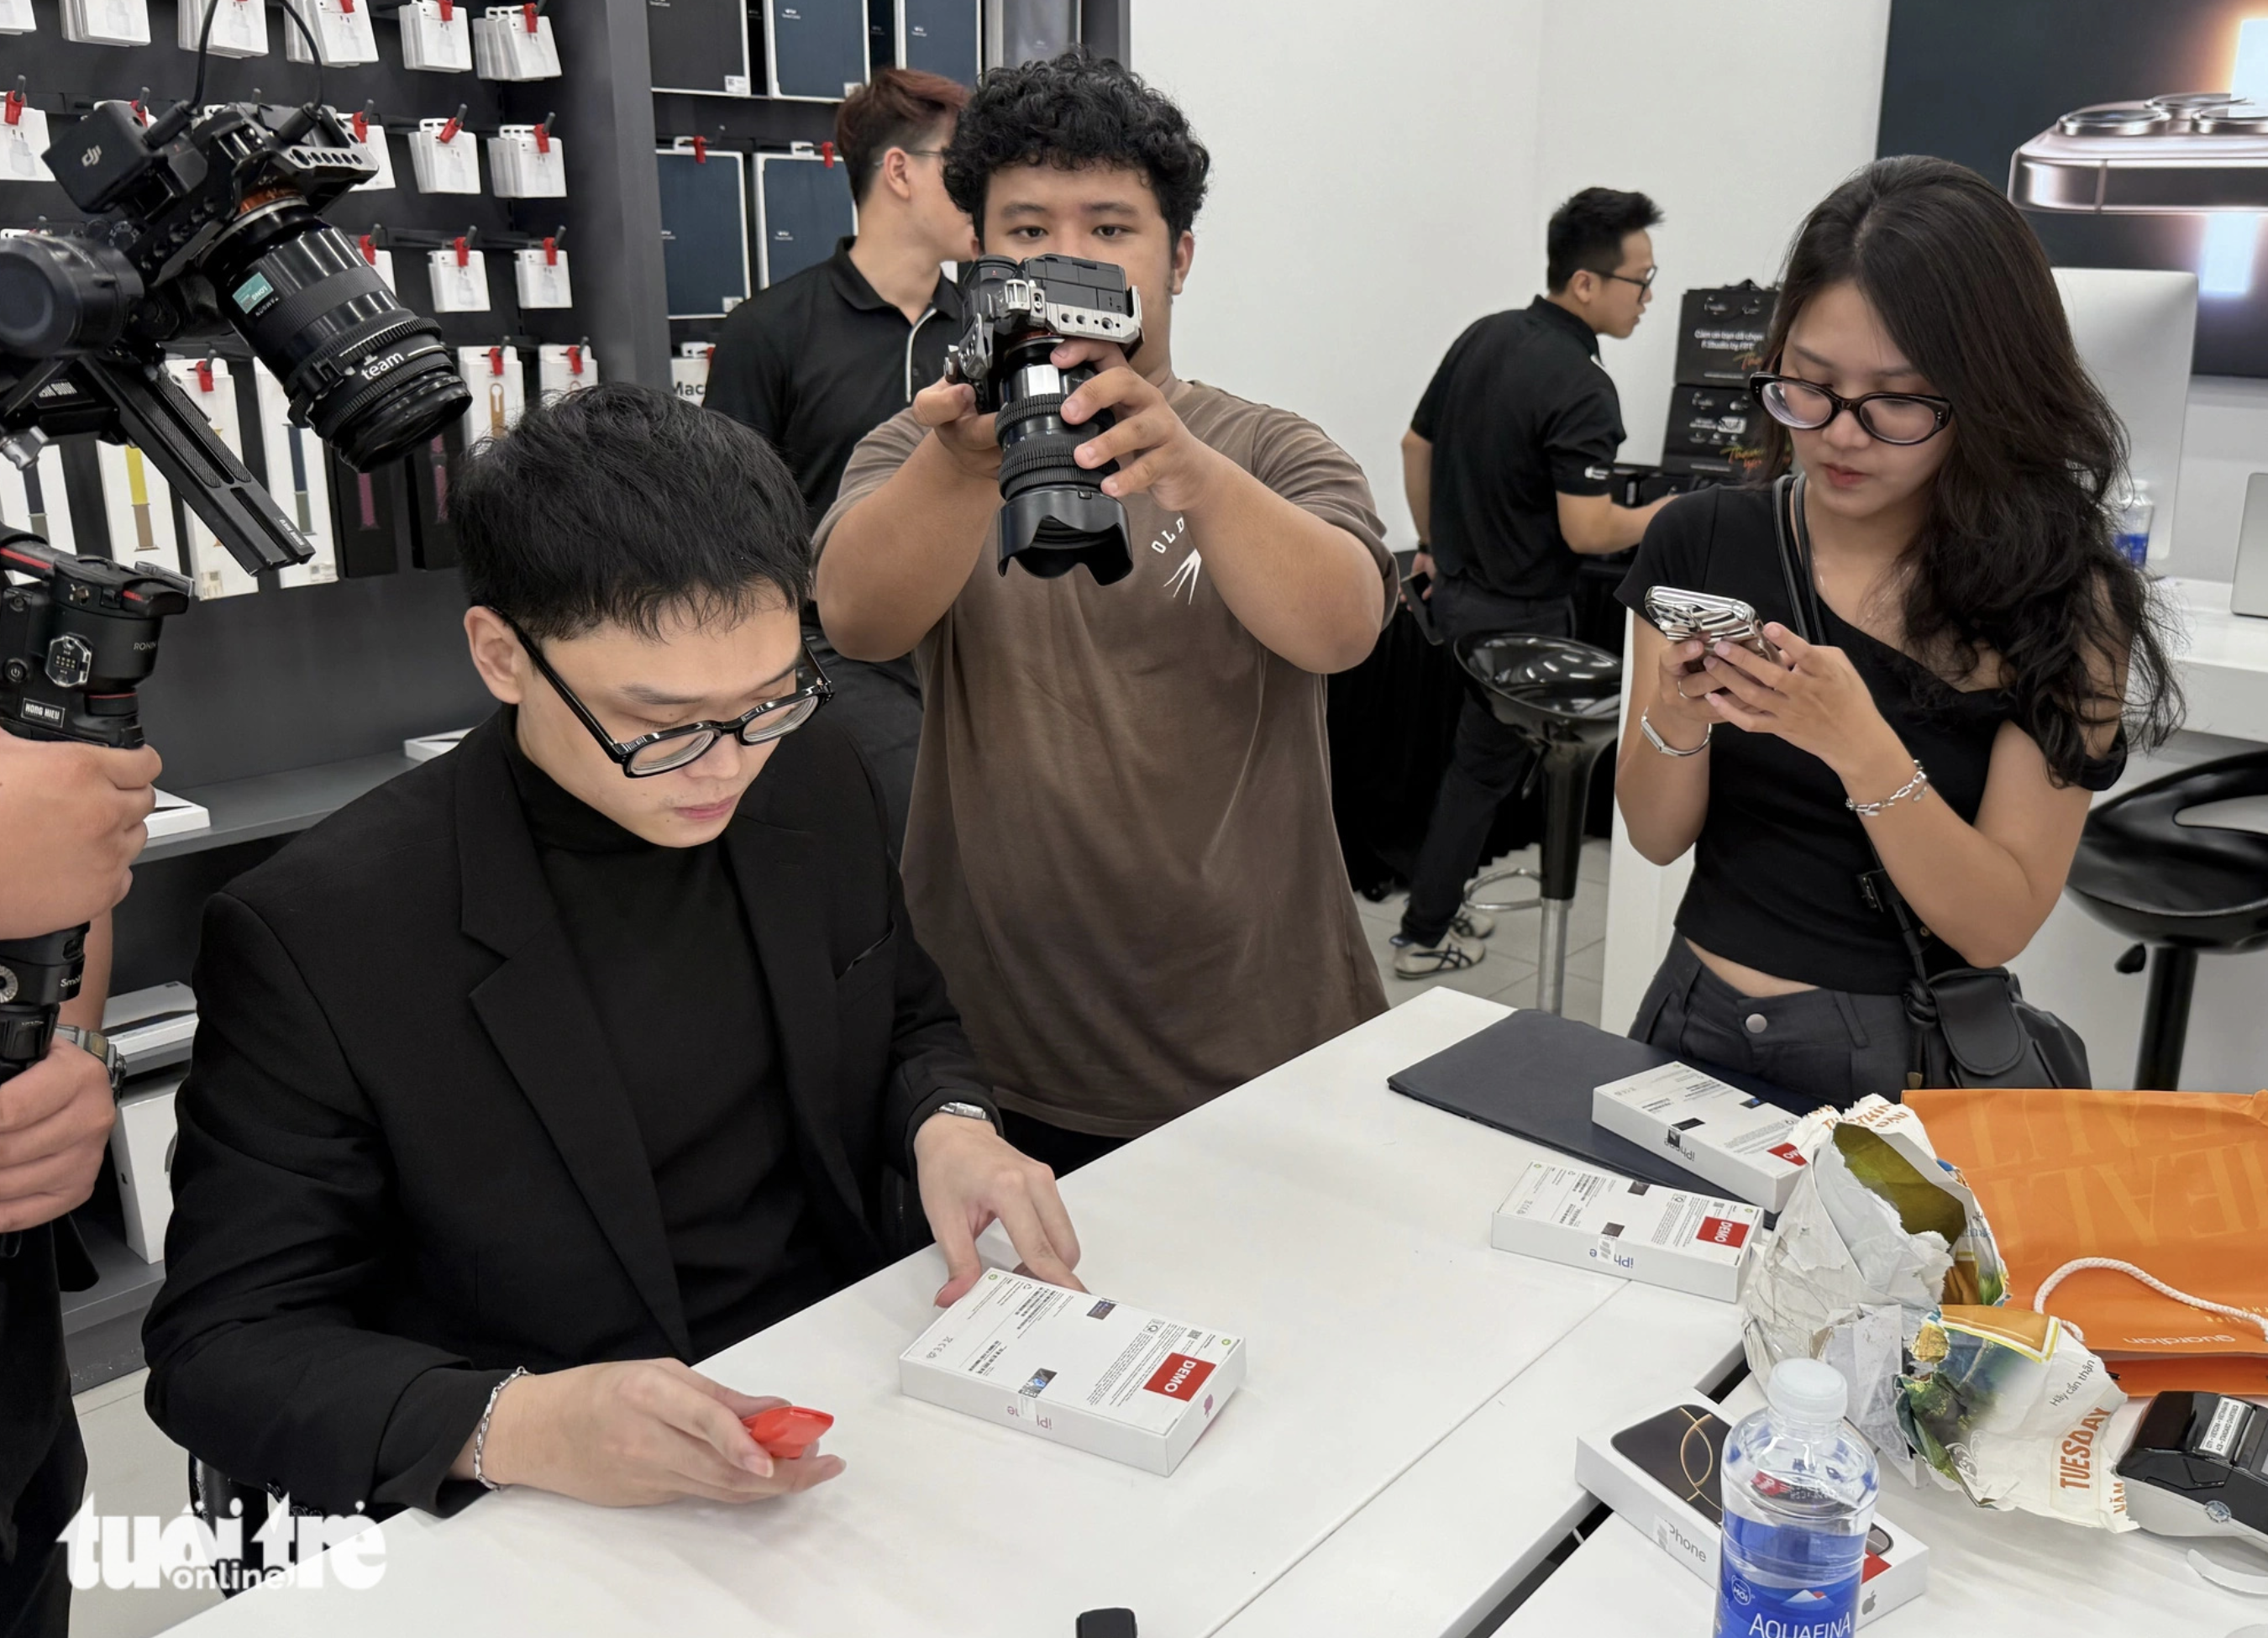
(1587, 1218)
(1662, 1472)
(1717, 1132)
(1077, 1370)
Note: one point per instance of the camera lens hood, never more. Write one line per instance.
(1054, 529)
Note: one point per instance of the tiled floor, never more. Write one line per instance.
(1507, 972)
(137, 1470)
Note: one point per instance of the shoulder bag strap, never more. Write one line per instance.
(1795, 540)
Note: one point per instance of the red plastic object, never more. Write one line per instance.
(787, 1430)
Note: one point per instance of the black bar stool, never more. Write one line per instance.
(2182, 887)
(1565, 698)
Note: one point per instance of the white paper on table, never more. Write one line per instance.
(541, 278)
(23, 143)
(298, 476)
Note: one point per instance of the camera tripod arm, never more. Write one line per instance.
(155, 413)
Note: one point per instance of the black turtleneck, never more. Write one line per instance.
(660, 937)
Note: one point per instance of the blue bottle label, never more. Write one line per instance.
(1748, 1609)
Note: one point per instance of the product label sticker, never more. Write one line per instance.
(1179, 1377)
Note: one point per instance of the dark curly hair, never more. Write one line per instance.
(1074, 111)
(2016, 555)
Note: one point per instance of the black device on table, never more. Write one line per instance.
(1054, 515)
(204, 220)
(1107, 1624)
(2198, 1466)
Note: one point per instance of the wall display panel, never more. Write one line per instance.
(1028, 31)
(803, 207)
(699, 46)
(704, 231)
(816, 50)
(2027, 93)
(942, 37)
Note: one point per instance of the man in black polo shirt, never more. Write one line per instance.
(1508, 463)
(816, 362)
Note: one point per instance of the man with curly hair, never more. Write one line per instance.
(1121, 849)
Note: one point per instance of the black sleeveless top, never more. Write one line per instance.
(1777, 869)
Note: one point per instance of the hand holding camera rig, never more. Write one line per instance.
(207, 217)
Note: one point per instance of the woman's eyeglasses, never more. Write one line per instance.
(670, 748)
(1894, 417)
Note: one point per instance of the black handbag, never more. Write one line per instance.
(1972, 1026)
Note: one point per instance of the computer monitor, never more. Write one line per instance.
(2135, 328)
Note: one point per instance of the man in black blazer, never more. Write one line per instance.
(521, 1083)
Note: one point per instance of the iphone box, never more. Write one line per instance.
(1075, 1369)
(1663, 1473)
(1564, 1213)
(1717, 1132)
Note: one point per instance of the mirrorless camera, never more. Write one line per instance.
(1053, 515)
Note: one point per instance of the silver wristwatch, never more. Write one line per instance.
(967, 1111)
(95, 1042)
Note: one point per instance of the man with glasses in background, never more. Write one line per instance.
(821, 359)
(583, 1053)
(1509, 466)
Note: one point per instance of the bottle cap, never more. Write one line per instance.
(788, 1430)
(1807, 1391)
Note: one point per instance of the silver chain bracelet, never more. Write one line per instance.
(1653, 738)
(1911, 791)
(480, 1434)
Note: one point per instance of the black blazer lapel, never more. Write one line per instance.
(537, 1012)
(777, 874)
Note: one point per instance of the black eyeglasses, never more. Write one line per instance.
(1894, 417)
(1644, 281)
(650, 754)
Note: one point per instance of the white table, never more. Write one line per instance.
(1413, 1394)
(2001, 1574)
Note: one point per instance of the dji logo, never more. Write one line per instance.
(92, 158)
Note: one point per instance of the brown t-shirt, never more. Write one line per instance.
(1121, 848)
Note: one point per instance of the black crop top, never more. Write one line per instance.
(1776, 871)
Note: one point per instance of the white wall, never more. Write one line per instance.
(1373, 193)
(1734, 129)
(2224, 442)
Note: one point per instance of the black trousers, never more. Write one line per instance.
(879, 705)
(35, 1586)
(1836, 1045)
(1488, 763)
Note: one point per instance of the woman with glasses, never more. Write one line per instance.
(1954, 655)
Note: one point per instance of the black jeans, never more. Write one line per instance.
(880, 707)
(1489, 762)
(1836, 1045)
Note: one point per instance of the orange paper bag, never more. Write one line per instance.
(2175, 1184)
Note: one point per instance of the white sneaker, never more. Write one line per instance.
(1413, 960)
(1473, 924)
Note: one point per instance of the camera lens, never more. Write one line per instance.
(370, 376)
(61, 294)
(1054, 515)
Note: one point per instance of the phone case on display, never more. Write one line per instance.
(704, 230)
(803, 208)
(528, 162)
(432, 534)
(1721, 335)
(816, 50)
(942, 37)
(370, 520)
(698, 47)
(540, 277)
(445, 161)
(107, 22)
(437, 36)
(515, 42)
